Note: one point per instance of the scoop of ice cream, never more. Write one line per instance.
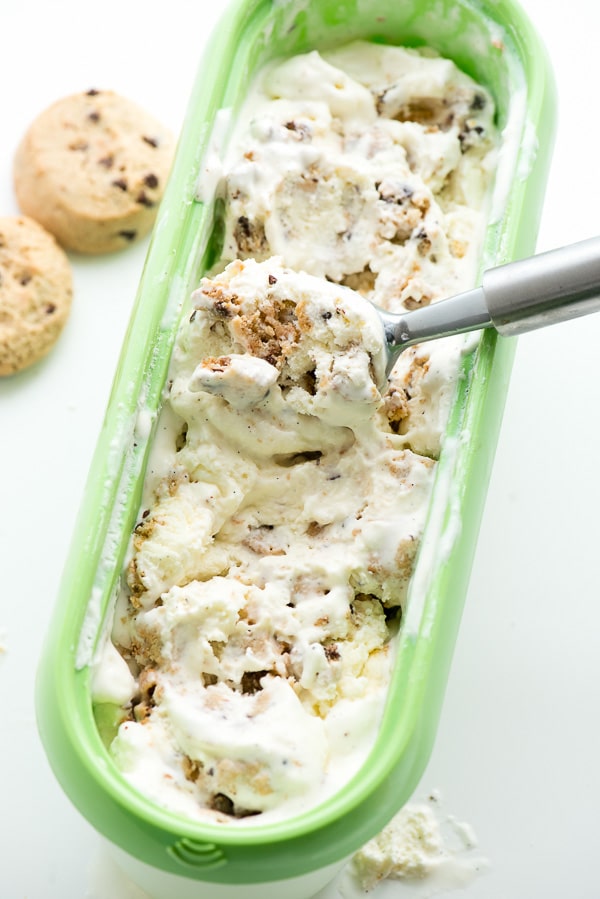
(169, 540)
(310, 76)
(357, 166)
(323, 345)
(419, 86)
(257, 749)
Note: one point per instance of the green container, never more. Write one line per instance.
(493, 41)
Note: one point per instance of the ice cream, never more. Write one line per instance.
(430, 851)
(374, 178)
(253, 640)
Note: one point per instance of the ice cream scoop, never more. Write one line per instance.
(521, 296)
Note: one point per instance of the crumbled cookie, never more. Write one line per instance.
(250, 238)
(92, 170)
(35, 292)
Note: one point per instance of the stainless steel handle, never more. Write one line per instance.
(514, 298)
(456, 315)
(545, 289)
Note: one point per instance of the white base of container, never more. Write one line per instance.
(160, 884)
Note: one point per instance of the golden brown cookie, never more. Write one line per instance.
(92, 169)
(35, 292)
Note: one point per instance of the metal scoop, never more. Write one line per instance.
(521, 296)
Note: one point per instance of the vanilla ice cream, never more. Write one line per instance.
(430, 851)
(285, 497)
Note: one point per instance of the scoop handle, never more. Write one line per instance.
(545, 289)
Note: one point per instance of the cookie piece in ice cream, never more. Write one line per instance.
(319, 336)
(92, 169)
(35, 292)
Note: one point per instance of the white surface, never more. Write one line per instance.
(517, 748)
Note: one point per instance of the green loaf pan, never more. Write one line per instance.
(493, 41)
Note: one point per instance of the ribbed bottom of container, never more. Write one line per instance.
(160, 884)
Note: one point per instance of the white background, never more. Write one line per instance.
(518, 745)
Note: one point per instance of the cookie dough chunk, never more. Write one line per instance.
(92, 169)
(35, 292)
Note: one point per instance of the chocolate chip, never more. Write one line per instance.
(50, 308)
(151, 180)
(152, 141)
(465, 137)
(332, 652)
(222, 309)
(128, 235)
(326, 315)
(272, 279)
(391, 192)
(25, 279)
(424, 245)
(107, 161)
(300, 129)
(92, 92)
(221, 803)
(144, 200)
(249, 236)
(244, 225)
(121, 183)
(478, 102)
(94, 116)
(251, 681)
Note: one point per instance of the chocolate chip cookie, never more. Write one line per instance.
(35, 292)
(92, 169)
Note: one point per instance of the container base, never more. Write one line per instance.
(158, 884)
